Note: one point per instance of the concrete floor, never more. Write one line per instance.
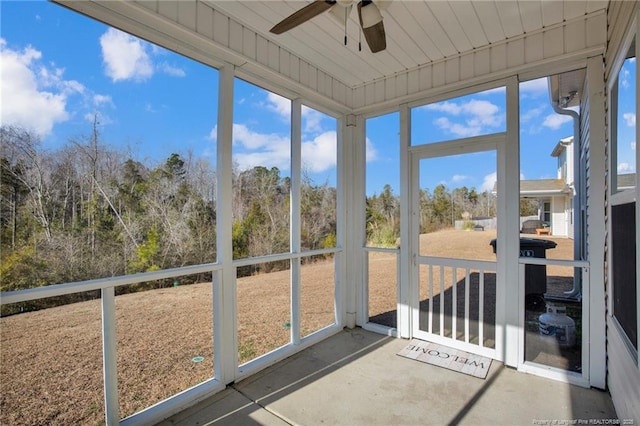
(356, 378)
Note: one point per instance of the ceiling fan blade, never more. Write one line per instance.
(372, 26)
(303, 15)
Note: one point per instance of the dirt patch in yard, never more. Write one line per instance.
(51, 360)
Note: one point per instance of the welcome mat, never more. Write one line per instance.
(443, 356)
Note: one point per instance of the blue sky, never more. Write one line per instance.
(61, 69)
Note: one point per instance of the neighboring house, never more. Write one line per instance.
(626, 181)
(555, 196)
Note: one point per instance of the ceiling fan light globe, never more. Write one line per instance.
(339, 13)
(370, 15)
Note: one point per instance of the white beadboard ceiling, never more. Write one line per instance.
(418, 32)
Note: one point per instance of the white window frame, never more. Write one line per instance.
(626, 196)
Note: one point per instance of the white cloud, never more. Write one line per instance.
(633, 145)
(125, 57)
(270, 150)
(99, 100)
(624, 79)
(555, 121)
(456, 128)
(253, 140)
(213, 134)
(249, 160)
(532, 113)
(171, 70)
(625, 167)
(477, 116)
(320, 154)
(459, 178)
(279, 105)
(311, 119)
(128, 58)
(100, 118)
(371, 151)
(37, 96)
(536, 87)
(488, 182)
(446, 106)
(629, 118)
(33, 96)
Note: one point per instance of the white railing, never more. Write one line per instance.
(107, 287)
(449, 268)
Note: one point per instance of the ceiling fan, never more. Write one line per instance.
(368, 14)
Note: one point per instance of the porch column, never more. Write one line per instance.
(508, 296)
(406, 264)
(295, 230)
(352, 166)
(225, 325)
(596, 236)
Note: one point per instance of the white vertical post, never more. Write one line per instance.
(467, 283)
(109, 357)
(343, 276)
(406, 271)
(216, 302)
(358, 224)
(596, 222)
(441, 295)
(508, 239)
(364, 299)
(454, 304)
(295, 231)
(481, 309)
(226, 353)
(353, 167)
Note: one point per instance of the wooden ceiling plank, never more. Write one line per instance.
(594, 5)
(419, 33)
(552, 12)
(531, 13)
(325, 34)
(574, 9)
(488, 15)
(471, 25)
(256, 14)
(447, 18)
(423, 14)
(510, 17)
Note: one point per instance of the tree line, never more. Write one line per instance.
(90, 210)
(439, 209)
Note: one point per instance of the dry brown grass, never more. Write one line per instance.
(51, 363)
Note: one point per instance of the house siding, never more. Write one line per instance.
(558, 217)
(585, 165)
